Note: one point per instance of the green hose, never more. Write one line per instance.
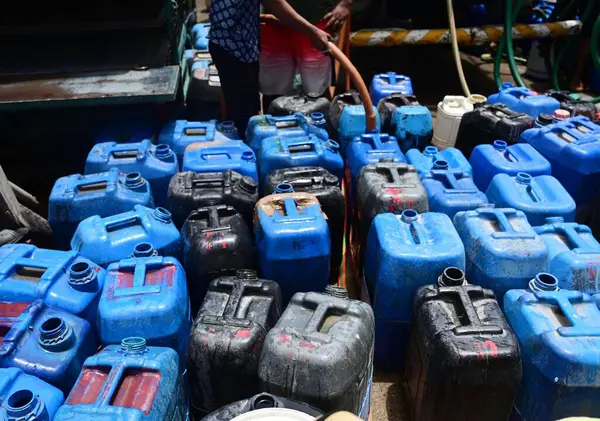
(594, 47)
(509, 19)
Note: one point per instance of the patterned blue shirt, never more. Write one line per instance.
(235, 26)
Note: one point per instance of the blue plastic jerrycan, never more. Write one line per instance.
(77, 197)
(219, 156)
(261, 127)
(132, 382)
(64, 280)
(156, 163)
(424, 161)
(499, 158)
(110, 239)
(385, 84)
(573, 149)
(146, 296)
(47, 343)
(503, 251)
(305, 151)
(573, 254)
(200, 33)
(450, 191)
(293, 242)
(524, 100)
(353, 124)
(179, 134)
(403, 253)
(559, 337)
(538, 197)
(25, 397)
(413, 127)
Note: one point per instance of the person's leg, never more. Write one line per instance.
(239, 83)
(314, 66)
(277, 65)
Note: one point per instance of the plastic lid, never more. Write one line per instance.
(336, 291)
(248, 184)
(274, 414)
(561, 114)
(545, 119)
(477, 99)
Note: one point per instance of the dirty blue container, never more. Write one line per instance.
(64, 280)
(424, 161)
(25, 397)
(573, 149)
(261, 127)
(306, 151)
(179, 134)
(353, 124)
(503, 251)
(573, 254)
(156, 163)
(110, 239)
(233, 155)
(524, 100)
(499, 158)
(200, 33)
(293, 242)
(403, 253)
(148, 297)
(559, 337)
(450, 191)
(413, 127)
(130, 382)
(47, 343)
(76, 197)
(386, 84)
(538, 197)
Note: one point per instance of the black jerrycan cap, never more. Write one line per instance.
(452, 277)
(336, 291)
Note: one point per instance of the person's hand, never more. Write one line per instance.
(336, 18)
(320, 39)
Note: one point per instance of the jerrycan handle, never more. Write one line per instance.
(411, 217)
(526, 179)
(573, 237)
(208, 182)
(391, 77)
(473, 326)
(290, 206)
(508, 231)
(206, 156)
(237, 293)
(564, 299)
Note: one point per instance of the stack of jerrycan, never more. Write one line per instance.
(347, 119)
(573, 149)
(227, 338)
(63, 280)
(179, 134)
(299, 103)
(110, 239)
(216, 242)
(128, 381)
(558, 333)
(503, 251)
(403, 253)
(200, 33)
(293, 241)
(574, 107)
(500, 158)
(261, 127)
(524, 100)
(488, 123)
(462, 354)
(538, 197)
(326, 340)
(156, 163)
(386, 84)
(573, 254)
(25, 397)
(403, 117)
(449, 114)
(219, 156)
(326, 188)
(44, 342)
(387, 105)
(305, 151)
(189, 191)
(149, 286)
(77, 197)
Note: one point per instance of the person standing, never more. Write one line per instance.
(235, 48)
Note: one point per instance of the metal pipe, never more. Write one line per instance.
(466, 36)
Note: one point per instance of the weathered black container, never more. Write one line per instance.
(189, 190)
(574, 107)
(338, 104)
(227, 337)
(321, 352)
(463, 359)
(260, 401)
(326, 188)
(387, 106)
(490, 122)
(305, 104)
(217, 242)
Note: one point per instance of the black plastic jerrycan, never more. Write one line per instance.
(463, 360)
(299, 103)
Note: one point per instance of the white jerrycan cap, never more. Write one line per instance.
(455, 106)
(274, 414)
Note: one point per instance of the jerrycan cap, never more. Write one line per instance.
(248, 184)
(83, 277)
(133, 345)
(274, 414)
(162, 215)
(25, 404)
(55, 335)
(561, 114)
(500, 145)
(544, 282)
(554, 220)
(430, 151)
(284, 187)
(163, 151)
(144, 250)
(452, 277)
(523, 178)
(134, 180)
(409, 215)
(336, 291)
(246, 274)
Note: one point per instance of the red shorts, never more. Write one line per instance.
(285, 52)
